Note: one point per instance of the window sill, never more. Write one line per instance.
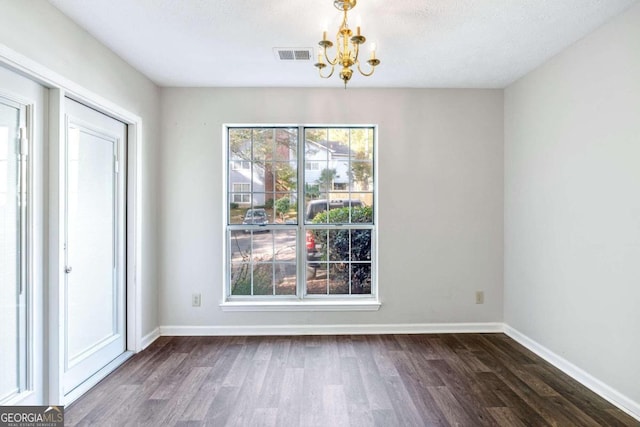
(368, 305)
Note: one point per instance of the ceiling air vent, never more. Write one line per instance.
(293, 53)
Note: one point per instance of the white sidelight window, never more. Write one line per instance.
(14, 302)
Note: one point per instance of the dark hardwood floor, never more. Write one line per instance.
(383, 380)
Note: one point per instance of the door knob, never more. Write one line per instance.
(67, 269)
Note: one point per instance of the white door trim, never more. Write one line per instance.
(33, 241)
(59, 88)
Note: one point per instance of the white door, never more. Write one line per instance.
(94, 289)
(22, 104)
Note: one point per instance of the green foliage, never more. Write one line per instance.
(325, 182)
(360, 214)
(233, 205)
(241, 280)
(282, 206)
(285, 177)
(361, 170)
(312, 191)
(268, 204)
(345, 245)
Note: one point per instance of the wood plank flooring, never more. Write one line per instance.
(373, 380)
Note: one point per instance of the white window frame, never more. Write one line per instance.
(300, 301)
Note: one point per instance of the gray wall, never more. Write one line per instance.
(572, 204)
(440, 192)
(41, 33)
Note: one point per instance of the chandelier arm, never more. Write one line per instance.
(363, 73)
(326, 57)
(327, 76)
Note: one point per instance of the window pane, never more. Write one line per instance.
(338, 245)
(235, 213)
(10, 310)
(261, 246)
(285, 208)
(339, 278)
(263, 279)
(285, 276)
(339, 136)
(317, 274)
(361, 176)
(258, 180)
(240, 144)
(285, 245)
(256, 217)
(239, 246)
(360, 245)
(285, 265)
(316, 241)
(362, 213)
(240, 279)
(263, 145)
(318, 179)
(286, 145)
(285, 176)
(362, 144)
(361, 278)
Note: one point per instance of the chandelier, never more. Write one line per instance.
(347, 48)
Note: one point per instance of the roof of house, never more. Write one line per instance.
(334, 147)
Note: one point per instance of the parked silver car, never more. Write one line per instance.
(256, 216)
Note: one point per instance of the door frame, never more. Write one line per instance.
(52, 185)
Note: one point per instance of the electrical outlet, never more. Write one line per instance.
(480, 297)
(195, 300)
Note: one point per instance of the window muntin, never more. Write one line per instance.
(280, 255)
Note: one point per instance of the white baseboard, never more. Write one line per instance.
(149, 338)
(606, 392)
(411, 328)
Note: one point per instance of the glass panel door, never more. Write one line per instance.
(95, 284)
(12, 250)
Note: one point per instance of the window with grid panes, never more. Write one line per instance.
(300, 233)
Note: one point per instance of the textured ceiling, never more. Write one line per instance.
(421, 43)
